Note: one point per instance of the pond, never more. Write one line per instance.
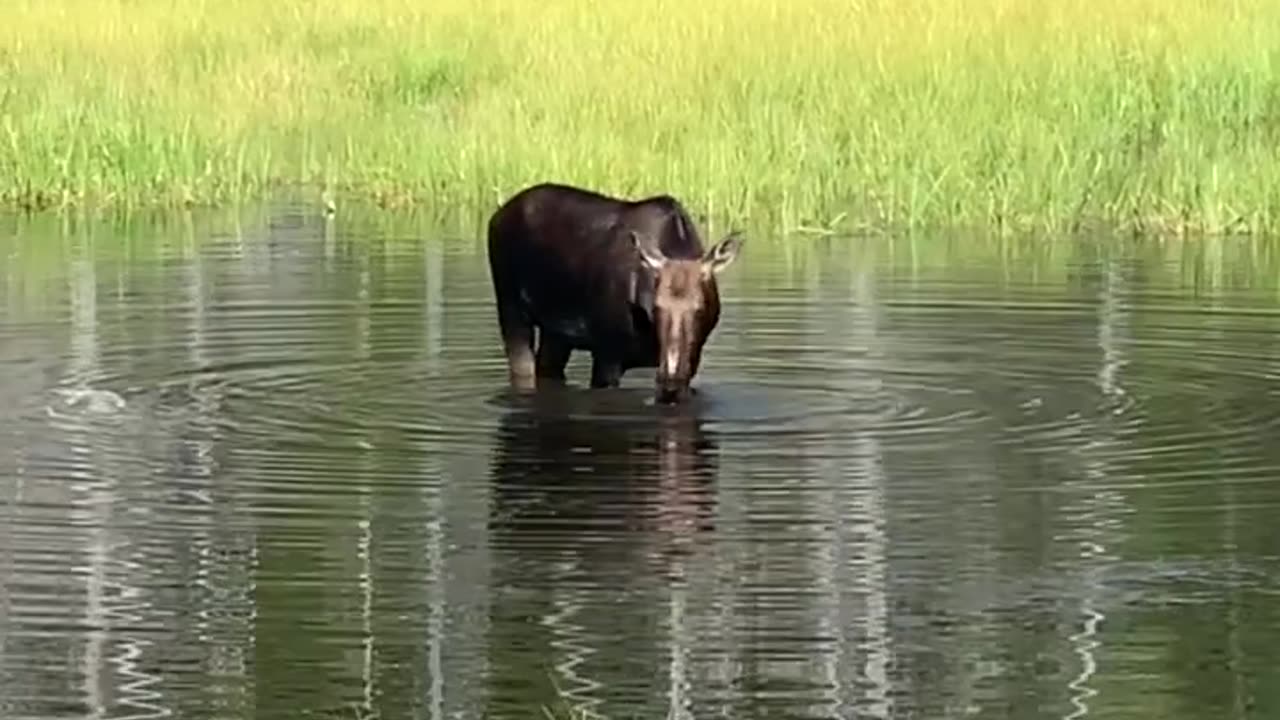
(266, 466)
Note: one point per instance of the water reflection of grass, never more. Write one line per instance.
(912, 112)
(35, 250)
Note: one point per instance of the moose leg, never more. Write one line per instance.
(553, 355)
(514, 321)
(517, 333)
(606, 372)
(517, 340)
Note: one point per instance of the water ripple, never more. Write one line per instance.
(282, 476)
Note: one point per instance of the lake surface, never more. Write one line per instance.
(268, 468)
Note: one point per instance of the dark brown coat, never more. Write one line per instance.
(627, 281)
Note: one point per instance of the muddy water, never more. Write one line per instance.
(267, 468)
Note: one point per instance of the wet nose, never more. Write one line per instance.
(670, 390)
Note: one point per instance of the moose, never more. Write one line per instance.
(627, 280)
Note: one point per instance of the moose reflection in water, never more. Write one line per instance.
(594, 497)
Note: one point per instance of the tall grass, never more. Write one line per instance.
(855, 113)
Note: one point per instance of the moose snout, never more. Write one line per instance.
(680, 338)
(669, 394)
(671, 389)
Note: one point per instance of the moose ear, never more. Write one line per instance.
(722, 254)
(651, 256)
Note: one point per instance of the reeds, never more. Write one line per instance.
(1009, 114)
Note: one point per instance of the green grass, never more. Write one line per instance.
(859, 114)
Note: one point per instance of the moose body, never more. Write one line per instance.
(628, 281)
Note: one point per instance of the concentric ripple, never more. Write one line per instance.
(279, 473)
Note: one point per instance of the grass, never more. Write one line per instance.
(1152, 115)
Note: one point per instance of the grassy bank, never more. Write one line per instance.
(809, 112)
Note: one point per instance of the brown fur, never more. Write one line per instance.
(628, 281)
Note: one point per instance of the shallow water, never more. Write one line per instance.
(269, 469)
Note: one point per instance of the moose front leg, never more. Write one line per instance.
(553, 355)
(606, 371)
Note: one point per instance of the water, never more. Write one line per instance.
(268, 468)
